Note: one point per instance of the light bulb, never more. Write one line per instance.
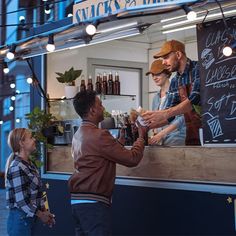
(17, 120)
(6, 70)
(11, 108)
(50, 47)
(47, 9)
(70, 15)
(13, 98)
(21, 18)
(29, 80)
(192, 15)
(12, 85)
(1, 122)
(90, 29)
(227, 51)
(10, 55)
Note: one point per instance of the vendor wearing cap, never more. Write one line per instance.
(174, 133)
(184, 92)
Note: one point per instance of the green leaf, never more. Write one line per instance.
(68, 76)
(38, 121)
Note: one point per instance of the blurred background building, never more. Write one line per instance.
(17, 97)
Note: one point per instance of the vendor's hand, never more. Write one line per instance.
(156, 139)
(155, 119)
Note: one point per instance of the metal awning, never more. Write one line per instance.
(131, 21)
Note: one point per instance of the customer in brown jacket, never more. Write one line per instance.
(95, 154)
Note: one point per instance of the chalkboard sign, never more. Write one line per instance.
(218, 82)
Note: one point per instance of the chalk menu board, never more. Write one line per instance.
(218, 83)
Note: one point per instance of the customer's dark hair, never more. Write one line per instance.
(83, 101)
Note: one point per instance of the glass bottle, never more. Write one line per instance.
(117, 84)
(110, 84)
(82, 85)
(104, 83)
(90, 84)
(98, 85)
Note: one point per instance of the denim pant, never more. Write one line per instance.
(18, 224)
(93, 219)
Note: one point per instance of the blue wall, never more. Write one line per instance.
(150, 211)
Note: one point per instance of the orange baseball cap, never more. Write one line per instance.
(157, 67)
(170, 46)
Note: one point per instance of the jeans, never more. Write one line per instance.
(92, 219)
(18, 224)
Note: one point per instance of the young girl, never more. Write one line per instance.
(23, 186)
(174, 133)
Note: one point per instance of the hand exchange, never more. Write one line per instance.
(155, 119)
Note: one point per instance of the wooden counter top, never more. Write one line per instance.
(207, 164)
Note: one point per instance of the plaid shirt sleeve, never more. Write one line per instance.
(194, 97)
(173, 94)
(183, 80)
(23, 188)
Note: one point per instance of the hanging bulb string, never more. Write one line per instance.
(223, 16)
(207, 12)
(12, 94)
(19, 24)
(33, 7)
(38, 83)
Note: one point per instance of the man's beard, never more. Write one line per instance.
(175, 66)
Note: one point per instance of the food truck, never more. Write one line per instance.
(175, 190)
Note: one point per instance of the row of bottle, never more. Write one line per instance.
(103, 85)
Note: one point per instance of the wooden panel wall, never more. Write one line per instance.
(169, 163)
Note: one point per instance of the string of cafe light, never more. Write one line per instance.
(91, 30)
(46, 4)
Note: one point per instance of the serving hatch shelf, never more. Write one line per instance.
(63, 108)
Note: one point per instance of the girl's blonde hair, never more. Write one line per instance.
(14, 138)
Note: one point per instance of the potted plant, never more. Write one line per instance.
(69, 77)
(40, 124)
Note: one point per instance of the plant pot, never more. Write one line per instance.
(71, 91)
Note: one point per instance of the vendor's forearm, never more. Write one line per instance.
(179, 109)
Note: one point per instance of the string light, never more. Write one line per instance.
(191, 15)
(12, 85)
(11, 108)
(47, 9)
(50, 46)
(29, 80)
(5, 68)
(229, 49)
(32, 7)
(22, 19)
(13, 98)
(17, 120)
(11, 53)
(1, 122)
(90, 29)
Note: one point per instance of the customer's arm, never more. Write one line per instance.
(114, 151)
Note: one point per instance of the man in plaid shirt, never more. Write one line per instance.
(184, 92)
